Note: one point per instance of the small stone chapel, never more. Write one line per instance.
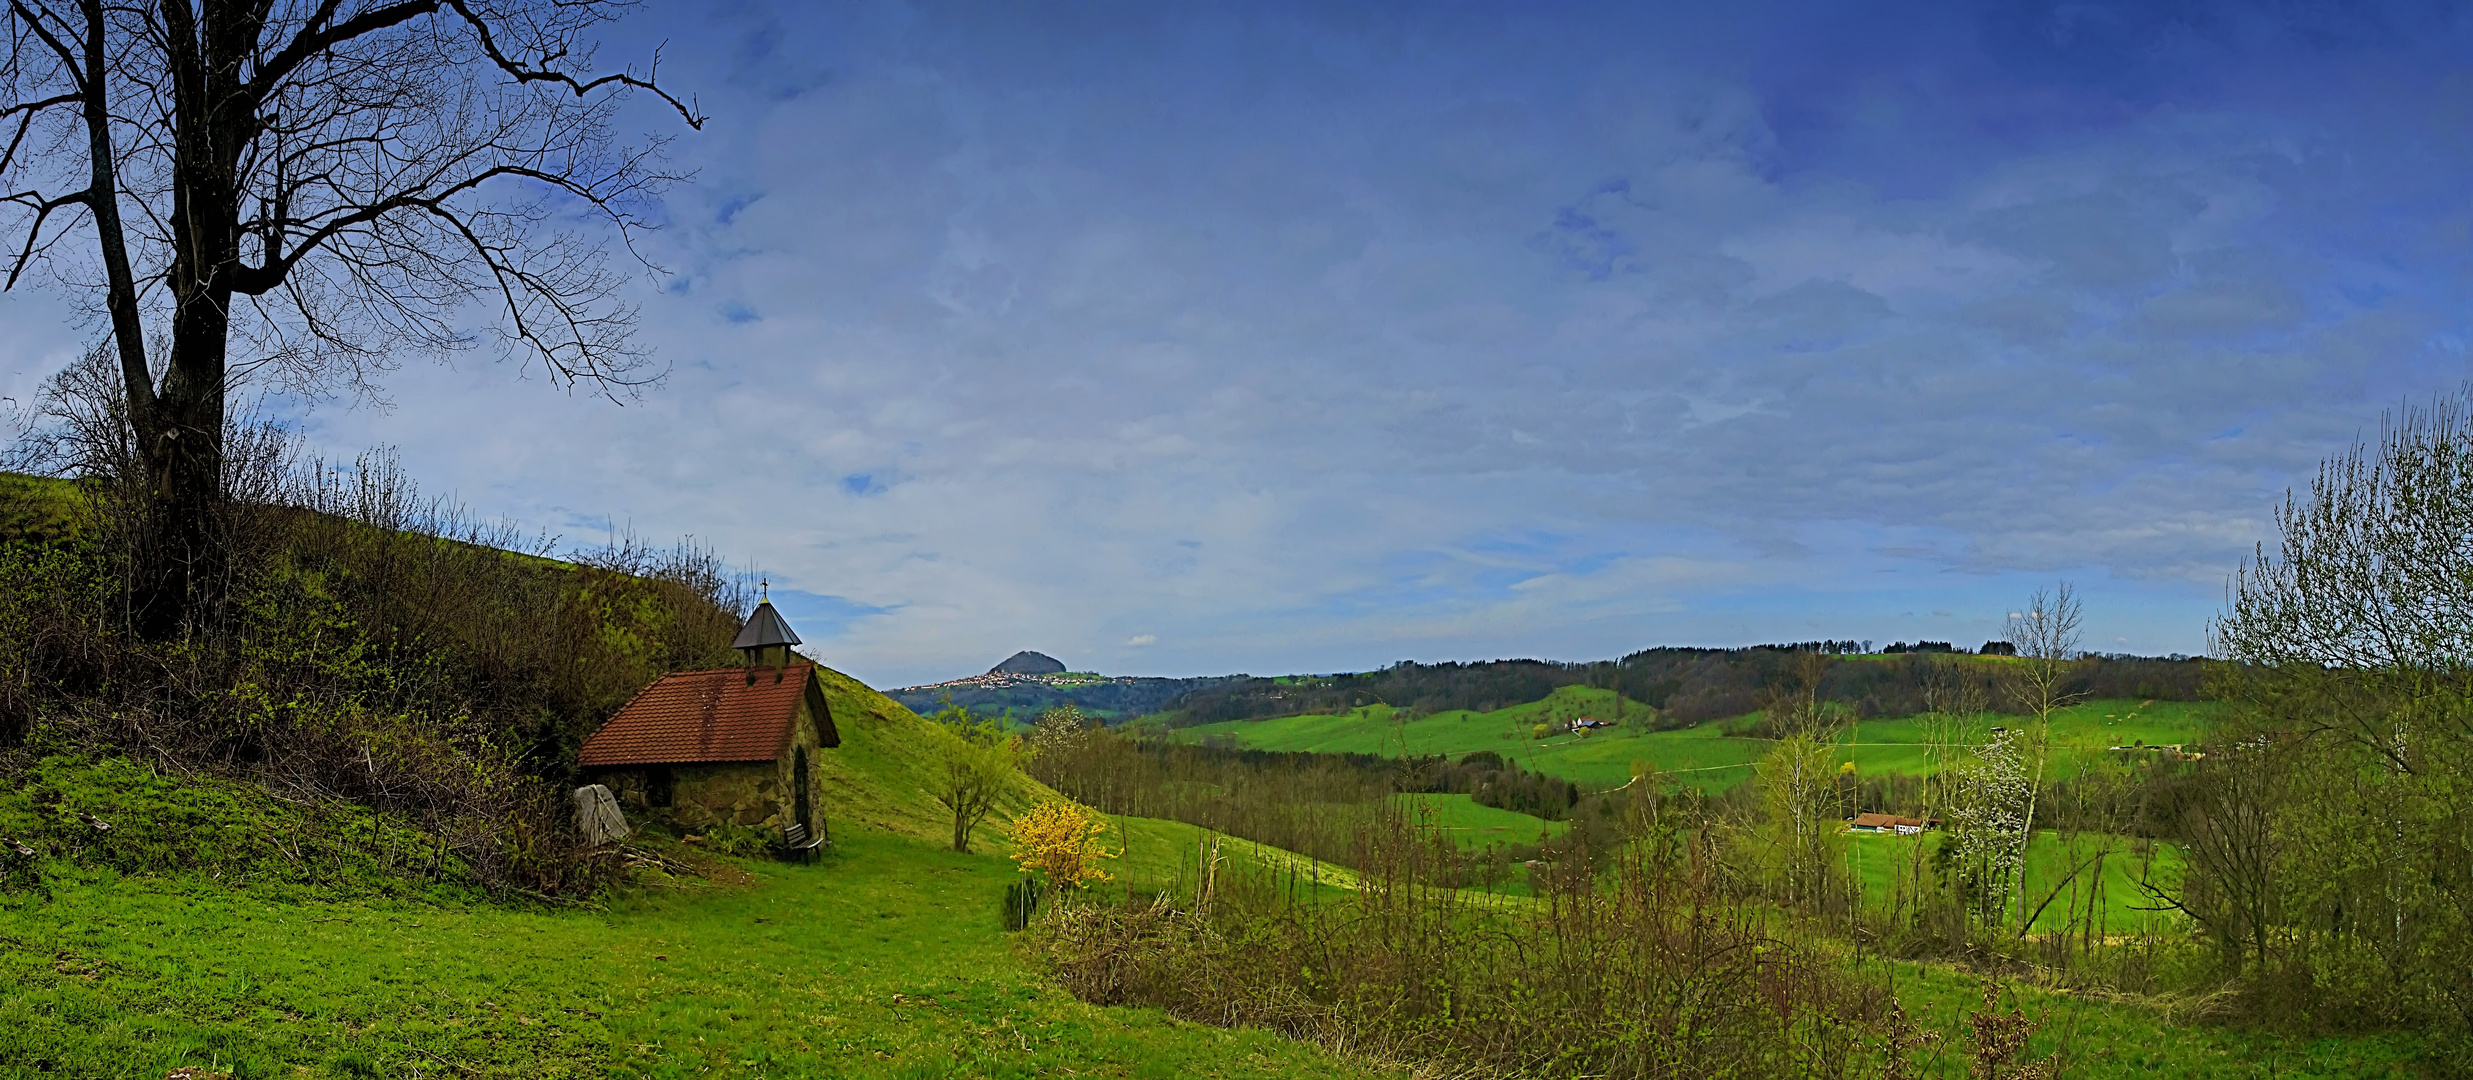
(724, 746)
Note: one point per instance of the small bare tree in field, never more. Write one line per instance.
(1799, 781)
(2046, 637)
(1954, 704)
(300, 192)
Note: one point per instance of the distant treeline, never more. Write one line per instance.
(1686, 685)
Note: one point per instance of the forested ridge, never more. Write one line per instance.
(1685, 685)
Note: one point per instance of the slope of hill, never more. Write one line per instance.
(882, 776)
(36, 509)
(887, 958)
(1712, 755)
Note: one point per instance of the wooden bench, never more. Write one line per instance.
(797, 845)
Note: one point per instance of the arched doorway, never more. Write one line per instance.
(798, 790)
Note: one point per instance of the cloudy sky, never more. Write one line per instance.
(1268, 337)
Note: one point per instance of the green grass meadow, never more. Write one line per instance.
(2100, 1039)
(885, 959)
(1474, 827)
(1707, 755)
(1876, 861)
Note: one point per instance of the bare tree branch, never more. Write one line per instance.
(319, 187)
(524, 73)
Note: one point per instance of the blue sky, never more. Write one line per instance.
(1274, 337)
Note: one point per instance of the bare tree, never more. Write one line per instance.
(302, 191)
(2046, 638)
(2366, 608)
(1799, 788)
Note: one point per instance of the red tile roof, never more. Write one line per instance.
(1870, 820)
(713, 715)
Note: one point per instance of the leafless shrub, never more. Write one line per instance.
(1646, 970)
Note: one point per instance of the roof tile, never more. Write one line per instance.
(692, 716)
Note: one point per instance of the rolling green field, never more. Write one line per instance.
(1472, 826)
(886, 958)
(2098, 1039)
(1875, 860)
(1705, 755)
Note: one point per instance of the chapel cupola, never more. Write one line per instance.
(766, 640)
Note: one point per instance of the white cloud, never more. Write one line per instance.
(1143, 358)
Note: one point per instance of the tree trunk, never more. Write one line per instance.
(182, 559)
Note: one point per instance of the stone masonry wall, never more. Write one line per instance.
(747, 793)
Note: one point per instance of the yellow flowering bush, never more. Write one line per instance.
(1060, 842)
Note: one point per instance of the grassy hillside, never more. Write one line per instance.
(881, 777)
(284, 946)
(1876, 859)
(1709, 754)
(36, 509)
(885, 959)
(1472, 826)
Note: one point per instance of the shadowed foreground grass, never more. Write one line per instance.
(884, 960)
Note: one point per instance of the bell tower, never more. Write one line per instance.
(766, 639)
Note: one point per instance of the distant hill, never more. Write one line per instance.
(1027, 662)
(1000, 692)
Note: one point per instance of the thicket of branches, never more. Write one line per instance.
(2329, 833)
(372, 646)
(300, 193)
(1641, 969)
(1314, 804)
